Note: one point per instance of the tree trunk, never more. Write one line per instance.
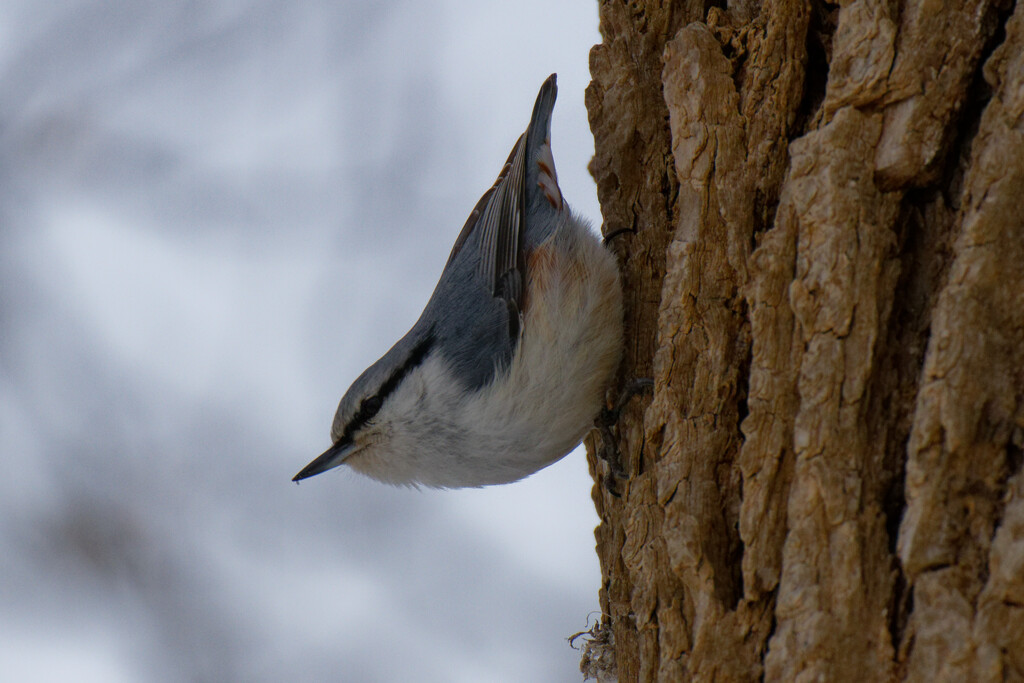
(822, 241)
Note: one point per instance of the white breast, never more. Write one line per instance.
(541, 406)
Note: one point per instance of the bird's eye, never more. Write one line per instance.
(370, 406)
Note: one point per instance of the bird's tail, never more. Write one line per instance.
(541, 178)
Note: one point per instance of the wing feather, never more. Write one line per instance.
(499, 218)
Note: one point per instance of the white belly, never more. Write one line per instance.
(536, 410)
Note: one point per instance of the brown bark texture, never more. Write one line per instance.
(820, 218)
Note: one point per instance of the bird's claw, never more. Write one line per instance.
(609, 451)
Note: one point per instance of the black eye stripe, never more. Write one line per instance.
(371, 405)
(368, 408)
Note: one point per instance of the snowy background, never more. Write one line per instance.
(213, 216)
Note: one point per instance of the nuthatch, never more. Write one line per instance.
(507, 366)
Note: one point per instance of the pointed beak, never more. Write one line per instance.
(332, 457)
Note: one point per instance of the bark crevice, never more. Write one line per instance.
(826, 282)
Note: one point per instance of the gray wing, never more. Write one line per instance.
(498, 217)
(476, 310)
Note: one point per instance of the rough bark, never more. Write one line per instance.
(819, 212)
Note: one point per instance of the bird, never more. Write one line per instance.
(508, 365)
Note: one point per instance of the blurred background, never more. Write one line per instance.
(213, 216)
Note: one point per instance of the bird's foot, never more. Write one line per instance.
(609, 450)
